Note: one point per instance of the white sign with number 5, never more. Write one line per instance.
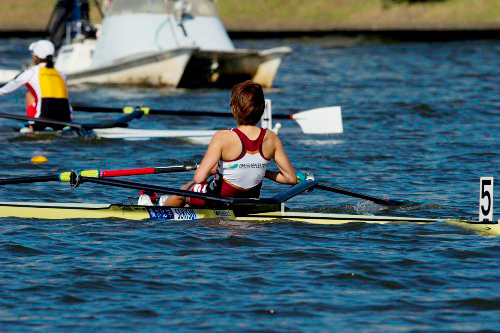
(486, 199)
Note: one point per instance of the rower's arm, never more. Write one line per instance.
(210, 160)
(16, 83)
(286, 173)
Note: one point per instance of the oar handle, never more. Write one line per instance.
(128, 172)
(97, 173)
(147, 171)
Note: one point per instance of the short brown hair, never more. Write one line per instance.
(247, 103)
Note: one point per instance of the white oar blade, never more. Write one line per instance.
(320, 121)
(7, 74)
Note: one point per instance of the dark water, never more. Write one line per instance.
(422, 123)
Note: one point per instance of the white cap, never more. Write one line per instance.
(42, 49)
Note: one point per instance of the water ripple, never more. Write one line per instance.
(420, 123)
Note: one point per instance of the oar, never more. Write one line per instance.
(326, 120)
(67, 176)
(28, 180)
(76, 179)
(43, 121)
(97, 173)
(152, 188)
(121, 122)
(385, 202)
(225, 201)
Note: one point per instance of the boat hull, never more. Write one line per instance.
(154, 69)
(132, 134)
(194, 136)
(60, 211)
(133, 28)
(227, 68)
(331, 219)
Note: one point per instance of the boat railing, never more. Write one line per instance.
(174, 7)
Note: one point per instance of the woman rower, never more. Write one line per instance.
(47, 95)
(238, 158)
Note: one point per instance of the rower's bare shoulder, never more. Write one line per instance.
(271, 136)
(222, 136)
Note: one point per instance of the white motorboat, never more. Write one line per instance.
(165, 42)
(177, 43)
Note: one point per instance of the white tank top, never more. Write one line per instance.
(242, 177)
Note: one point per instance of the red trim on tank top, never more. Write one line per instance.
(243, 150)
(242, 136)
(261, 143)
(29, 110)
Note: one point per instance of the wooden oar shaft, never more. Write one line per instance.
(385, 202)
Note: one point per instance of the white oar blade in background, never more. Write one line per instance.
(194, 136)
(320, 121)
(7, 74)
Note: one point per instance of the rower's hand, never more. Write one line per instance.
(304, 177)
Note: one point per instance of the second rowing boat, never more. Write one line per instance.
(316, 121)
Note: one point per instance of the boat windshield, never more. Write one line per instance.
(192, 7)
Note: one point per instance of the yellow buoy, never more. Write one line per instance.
(39, 159)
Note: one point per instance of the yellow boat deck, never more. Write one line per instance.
(59, 211)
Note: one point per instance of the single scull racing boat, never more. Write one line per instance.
(257, 210)
(59, 211)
